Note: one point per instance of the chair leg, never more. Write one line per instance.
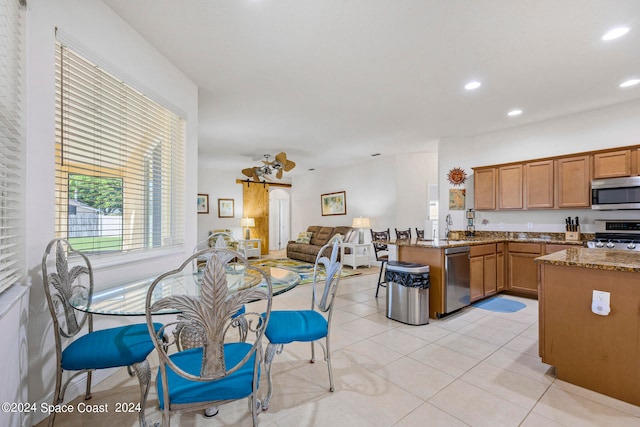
(56, 396)
(143, 372)
(269, 355)
(380, 282)
(87, 394)
(327, 357)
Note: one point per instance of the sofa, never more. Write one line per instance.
(319, 237)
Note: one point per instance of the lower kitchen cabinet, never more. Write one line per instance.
(483, 277)
(500, 282)
(522, 272)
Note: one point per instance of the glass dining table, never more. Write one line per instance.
(129, 298)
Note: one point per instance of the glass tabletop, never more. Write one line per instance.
(128, 299)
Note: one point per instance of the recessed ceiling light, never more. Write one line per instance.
(472, 85)
(514, 113)
(629, 83)
(615, 33)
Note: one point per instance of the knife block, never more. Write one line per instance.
(572, 236)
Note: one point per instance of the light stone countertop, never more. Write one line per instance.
(601, 259)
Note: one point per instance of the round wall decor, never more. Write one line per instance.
(457, 176)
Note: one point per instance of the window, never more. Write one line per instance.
(12, 107)
(119, 162)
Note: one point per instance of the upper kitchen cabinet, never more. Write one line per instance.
(574, 182)
(612, 164)
(484, 187)
(538, 188)
(510, 187)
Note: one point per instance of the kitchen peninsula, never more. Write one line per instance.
(499, 262)
(596, 351)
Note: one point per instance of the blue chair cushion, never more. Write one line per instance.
(109, 348)
(233, 386)
(241, 311)
(286, 326)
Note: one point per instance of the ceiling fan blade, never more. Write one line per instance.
(279, 174)
(248, 172)
(287, 165)
(256, 177)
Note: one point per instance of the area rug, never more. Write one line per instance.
(304, 269)
(500, 305)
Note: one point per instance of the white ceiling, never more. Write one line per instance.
(332, 81)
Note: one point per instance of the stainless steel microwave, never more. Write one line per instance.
(615, 193)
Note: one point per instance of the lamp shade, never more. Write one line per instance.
(248, 222)
(361, 222)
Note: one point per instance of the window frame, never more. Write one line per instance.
(171, 142)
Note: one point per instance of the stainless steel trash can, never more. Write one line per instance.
(408, 292)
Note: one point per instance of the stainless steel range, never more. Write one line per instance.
(616, 234)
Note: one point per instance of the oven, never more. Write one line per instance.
(616, 234)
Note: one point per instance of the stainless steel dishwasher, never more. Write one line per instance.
(457, 290)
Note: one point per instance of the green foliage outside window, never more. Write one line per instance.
(104, 194)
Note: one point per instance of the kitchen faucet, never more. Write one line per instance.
(449, 222)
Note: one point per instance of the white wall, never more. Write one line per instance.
(390, 190)
(609, 127)
(219, 185)
(102, 32)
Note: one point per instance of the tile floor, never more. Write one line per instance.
(474, 368)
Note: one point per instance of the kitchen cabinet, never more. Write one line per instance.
(574, 182)
(522, 272)
(612, 164)
(484, 187)
(599, 353)
(539, 184)
(510, 187)
(483, 263)
(500, 283)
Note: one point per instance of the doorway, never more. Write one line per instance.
(279, 219)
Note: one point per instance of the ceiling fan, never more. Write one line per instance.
(280, 164)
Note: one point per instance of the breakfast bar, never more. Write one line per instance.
(589, 345)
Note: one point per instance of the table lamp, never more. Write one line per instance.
(361, 223)
(247, 222)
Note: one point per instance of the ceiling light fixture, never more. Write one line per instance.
(514, 113)
(629, 83)
(615, 33)
(472, 85)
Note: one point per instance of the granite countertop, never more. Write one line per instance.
(601, 259)
(481, 238)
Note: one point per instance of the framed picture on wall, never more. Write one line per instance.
(457, 199)
(225, 208)
(334, 203)
(203, 204)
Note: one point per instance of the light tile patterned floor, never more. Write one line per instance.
(475, 368)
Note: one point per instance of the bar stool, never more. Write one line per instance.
(403, 234)
(379, 239)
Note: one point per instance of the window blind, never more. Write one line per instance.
(119, 162)
(12, 84)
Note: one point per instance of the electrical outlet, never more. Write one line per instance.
(602, 297)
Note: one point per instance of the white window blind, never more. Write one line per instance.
(119, 162)
(12, 84)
